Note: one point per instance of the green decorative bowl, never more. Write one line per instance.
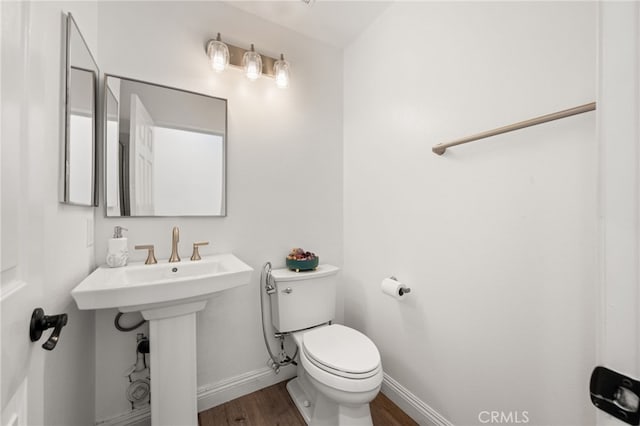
(303, 265)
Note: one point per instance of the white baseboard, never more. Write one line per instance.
(417, 409)
(212, 395)
(137, 417)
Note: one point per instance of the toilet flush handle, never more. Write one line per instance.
(287, 290)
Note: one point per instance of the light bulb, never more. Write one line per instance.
(252, 64)
(218, 62)
(218, 53)
(281, 72)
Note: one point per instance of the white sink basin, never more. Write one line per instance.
(168, 295)
(139, 287)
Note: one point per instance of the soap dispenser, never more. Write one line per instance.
(117, 250)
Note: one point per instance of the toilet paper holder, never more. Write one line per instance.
(402, 290)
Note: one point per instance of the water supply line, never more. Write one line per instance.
(116, 323)
(269, 288)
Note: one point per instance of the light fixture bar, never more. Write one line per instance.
(235, 59)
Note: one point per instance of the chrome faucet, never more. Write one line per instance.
(175, 238)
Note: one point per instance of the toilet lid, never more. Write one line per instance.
(341, 348)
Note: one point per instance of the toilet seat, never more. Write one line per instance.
(341, 373)
(342, 351)
(341, 358)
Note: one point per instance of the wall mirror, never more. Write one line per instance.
(165, 150)
(79, 152)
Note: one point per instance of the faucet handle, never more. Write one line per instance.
(151, 257)
(196, 254)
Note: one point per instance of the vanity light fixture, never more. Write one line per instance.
(251, 62)
(218, 53)
(281, 71)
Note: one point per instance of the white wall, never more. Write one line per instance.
(50, 239)
(497, 239)
(66, 256)
(284, 169)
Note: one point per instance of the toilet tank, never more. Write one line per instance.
(303, 299)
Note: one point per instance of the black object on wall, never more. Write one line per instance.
(41, 322)
(616, 394)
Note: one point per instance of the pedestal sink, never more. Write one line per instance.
(168, 295)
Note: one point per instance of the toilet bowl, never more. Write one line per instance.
(339, 374)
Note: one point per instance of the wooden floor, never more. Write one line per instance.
(272, 406)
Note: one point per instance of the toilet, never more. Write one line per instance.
(339, 368)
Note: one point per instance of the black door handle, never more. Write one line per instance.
(616, 394)
(41, 322)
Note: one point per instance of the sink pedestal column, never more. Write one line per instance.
(172, 344)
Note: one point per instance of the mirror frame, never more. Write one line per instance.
(105, 148)
(65, 184)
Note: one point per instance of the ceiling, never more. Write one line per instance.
(334, 22)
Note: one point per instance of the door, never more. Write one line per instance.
(20, 286)
(141, 159)
(618, 128)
